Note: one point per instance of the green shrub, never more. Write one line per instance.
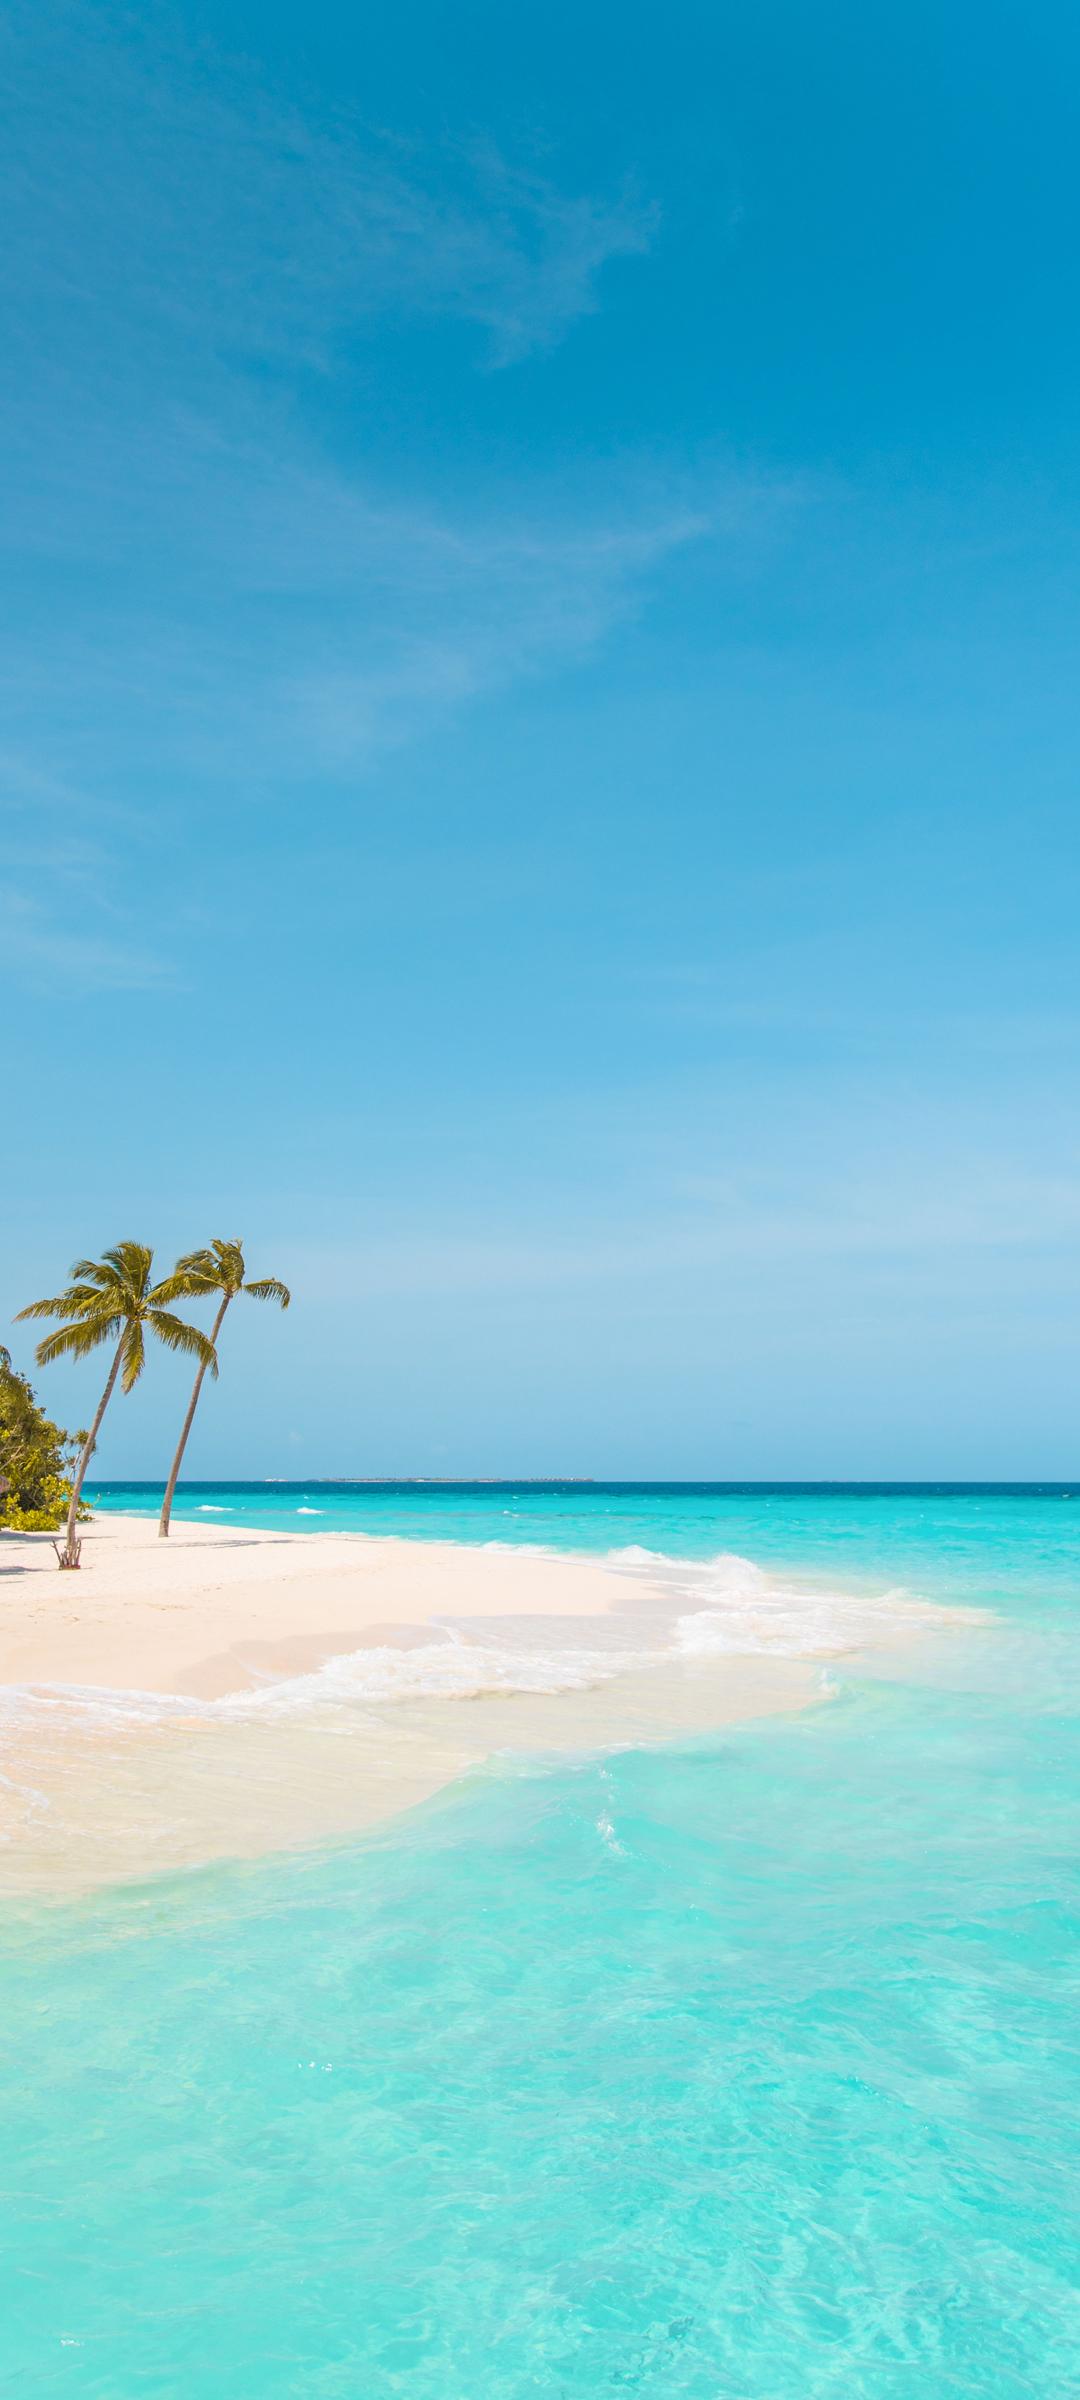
(37, 1458)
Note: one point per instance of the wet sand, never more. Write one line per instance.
(233, 1692)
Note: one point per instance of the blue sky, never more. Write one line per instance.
(539, 741)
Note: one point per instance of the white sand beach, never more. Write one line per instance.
(213, 1611)
(234, 1691)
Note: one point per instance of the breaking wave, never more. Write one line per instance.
(676, 1610)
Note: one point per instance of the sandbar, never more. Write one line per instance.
(213, 1610)
(233, 1691)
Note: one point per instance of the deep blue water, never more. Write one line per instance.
(744, 2070)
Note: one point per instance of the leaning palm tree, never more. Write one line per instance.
(220, 1270)
(113, 1299)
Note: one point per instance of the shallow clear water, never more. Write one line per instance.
(955, 1534)
(745, 2070)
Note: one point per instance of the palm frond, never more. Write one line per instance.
(132, 1265)
(80, 1300)
(228, 1264)
(93, 1270)
(219, 1268)
(77, 1341)
(182, 1284)
(134, 1355)
(269, 1288)
(64, 1305)
(177, 1334)
(196, 1262)
(126, 1263)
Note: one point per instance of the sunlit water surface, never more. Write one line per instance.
(745, 2068)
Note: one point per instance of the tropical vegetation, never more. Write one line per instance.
(114, 1299)
(37, 1458)
(219, 1273)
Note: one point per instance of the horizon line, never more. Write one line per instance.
(601, 1483)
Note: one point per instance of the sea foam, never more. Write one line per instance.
(677, 1610)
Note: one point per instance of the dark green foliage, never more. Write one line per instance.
(37, 1458)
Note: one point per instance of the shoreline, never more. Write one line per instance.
(214, 1611)
(236, 1692)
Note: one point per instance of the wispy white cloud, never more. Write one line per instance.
(230, 217)
(66, 923)
(475, 607)
(871, 1226)
(173, 229)
(50, 943)
(205, 595)
(304, 624)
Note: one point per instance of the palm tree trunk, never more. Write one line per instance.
(89, 1447)
(189, 1420)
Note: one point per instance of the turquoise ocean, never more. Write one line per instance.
(742, 2068)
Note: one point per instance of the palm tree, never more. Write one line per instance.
(109, 1299)
(219, 1270)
